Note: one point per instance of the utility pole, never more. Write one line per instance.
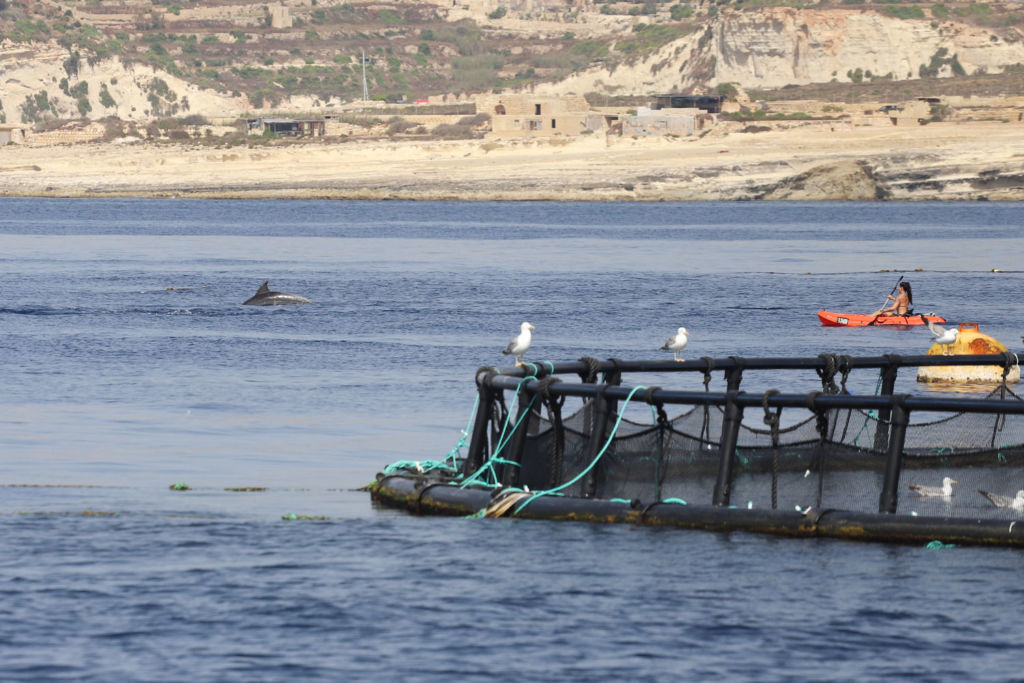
(366, 94)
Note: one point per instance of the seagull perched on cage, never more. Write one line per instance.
(1005, 501)
(518, 346)
(944, 491)
(676, 343)
(943, 337)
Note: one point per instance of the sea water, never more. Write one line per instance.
(130, 366)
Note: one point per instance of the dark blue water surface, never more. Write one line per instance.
(130, 365)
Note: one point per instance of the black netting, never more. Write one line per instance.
(835, 459)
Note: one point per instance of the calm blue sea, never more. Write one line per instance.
(129, 365)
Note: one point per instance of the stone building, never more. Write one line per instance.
(524, 115)
(12, 134)
(280, 17)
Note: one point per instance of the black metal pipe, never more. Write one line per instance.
(888, 385)
(602, 411)
(407, 492)
(768, 363)
(734, 375)
(889, 498)
(822, 401)
(727, 448)
(478, 440)
(509, 474)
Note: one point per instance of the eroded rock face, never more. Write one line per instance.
(841, 180)
(132, 91)
(779, 46)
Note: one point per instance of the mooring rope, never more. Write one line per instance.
(503, 440)
(449, 463)
(772, 420)
(586, 470)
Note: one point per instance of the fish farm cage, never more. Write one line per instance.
(552, 441)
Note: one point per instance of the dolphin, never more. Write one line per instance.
(265, 297)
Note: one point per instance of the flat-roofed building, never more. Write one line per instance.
(524, 115)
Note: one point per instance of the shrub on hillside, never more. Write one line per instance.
(398, 125)
(475, 120)
(455, 131)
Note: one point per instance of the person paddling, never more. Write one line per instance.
(900, 303)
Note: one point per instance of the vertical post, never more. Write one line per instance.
(478, 440)
(889, 373)
(734, 375)
(727, 448)
(889, 498)
(526, 415)
(604, 410)
(366, 94)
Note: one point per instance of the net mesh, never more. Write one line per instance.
(835, 459)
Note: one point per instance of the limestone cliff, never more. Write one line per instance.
(778, 46)
(111, 88)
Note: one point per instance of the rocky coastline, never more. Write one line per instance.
(942, 161)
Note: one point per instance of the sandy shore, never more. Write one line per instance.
(983, 160)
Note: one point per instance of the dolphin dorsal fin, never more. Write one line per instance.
(263, 288)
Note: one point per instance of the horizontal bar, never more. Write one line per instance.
(546, 368)
(817, 400)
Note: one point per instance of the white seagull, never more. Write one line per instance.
(1005, 501)
(518, 346)
(676, 343)
(943, 337)
(944, 491)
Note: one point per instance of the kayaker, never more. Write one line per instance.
(900, 303)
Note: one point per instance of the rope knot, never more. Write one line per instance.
(828, 373)
(845, 366)
(613, 376)
(589, 376)
(709, 365)
(544, 389)
(771, 419)
(485, 372)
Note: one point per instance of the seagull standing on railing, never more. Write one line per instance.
(944, 491)
(1005, 501)
(518, 346)
(676, 343)
(943, 337)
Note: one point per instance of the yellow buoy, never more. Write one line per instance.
(969, 340)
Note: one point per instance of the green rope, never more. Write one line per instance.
(448, 464)
(593, 462)
(488, 467)
(938, 545)
(677, 501)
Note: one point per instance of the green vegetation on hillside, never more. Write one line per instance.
(411, 50)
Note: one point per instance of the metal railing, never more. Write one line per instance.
(893, 410)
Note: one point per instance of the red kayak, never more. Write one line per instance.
(832, 319)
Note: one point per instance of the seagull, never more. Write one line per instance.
(943, 336)
(1005, 501)
(518, 346)
(944, 491)
(676, 343)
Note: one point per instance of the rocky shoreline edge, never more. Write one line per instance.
(961, 162)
